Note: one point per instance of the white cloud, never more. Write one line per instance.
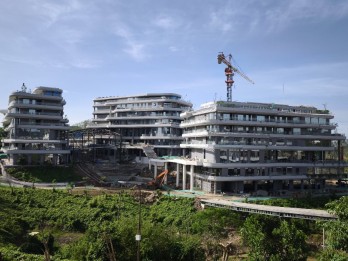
(86, 64)
(136, 51)
(165, 22)
(173, 48)
(274, 16)
(218, 20)
(54, 11)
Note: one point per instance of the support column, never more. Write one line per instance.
(184, 177)
(177, 175)
(291, 185)
(191, 177)
(302, 184)
(155, 171)
(166, 177)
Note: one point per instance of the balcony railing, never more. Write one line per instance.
(36, 113)
(236, 120)
(57, 104)
(207, 133)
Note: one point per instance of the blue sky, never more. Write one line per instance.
(295, 51)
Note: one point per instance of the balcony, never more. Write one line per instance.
(34, 96)
(37, 115)
(253, 122)
(41, 105)
(30, 139)
(57, 126)
(160, 136)
(264, 134)
(37, 151)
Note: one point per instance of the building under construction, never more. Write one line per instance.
(142, 122)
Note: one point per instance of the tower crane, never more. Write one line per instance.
(229, 72)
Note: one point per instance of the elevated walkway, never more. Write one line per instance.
(301, 213)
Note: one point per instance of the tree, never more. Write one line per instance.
(291, 242)
(80, 126)
(337, 230)
(254, 235)
(270, 238)
(215, 227)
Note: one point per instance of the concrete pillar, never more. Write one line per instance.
(291, 184)
(302, 184)
(215, 187)
(155, 171)
(166, 177)
(262, 156)
(177, 174)
(255, 186)
(191, 177)
(184, 177)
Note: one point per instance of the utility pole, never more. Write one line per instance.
(138, 235)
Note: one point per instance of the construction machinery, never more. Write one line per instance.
(158, 181)
(229, 72)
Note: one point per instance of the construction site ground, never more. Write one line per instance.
(123, 177)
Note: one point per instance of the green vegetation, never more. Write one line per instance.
(308, 202)
(337, 232)
(80, 125)
(82, 227)
(44, 174)
(38, 224)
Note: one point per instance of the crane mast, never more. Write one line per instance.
(229, 72)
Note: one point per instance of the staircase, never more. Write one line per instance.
(149, 152)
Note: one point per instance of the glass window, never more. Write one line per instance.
(260, 118)
(322, 121)
(297, 131)
(296, 119)
(280, 130)
(314, 120)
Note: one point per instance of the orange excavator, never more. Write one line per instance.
(158, 181)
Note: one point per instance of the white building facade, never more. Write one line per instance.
(36, 126)
(245, 147)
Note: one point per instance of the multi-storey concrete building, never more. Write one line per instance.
(148, 119)
(245, 147)
(36, 126)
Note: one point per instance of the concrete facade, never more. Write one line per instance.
(143, 120)
(245, 147)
